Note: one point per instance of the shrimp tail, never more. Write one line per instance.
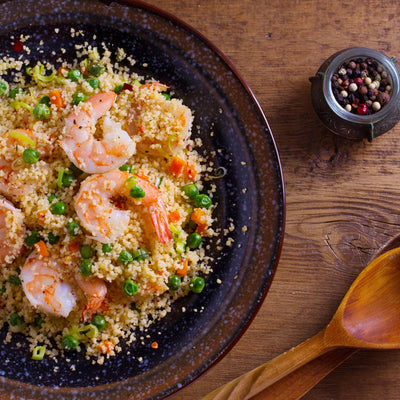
(159, 219)
(91, 307)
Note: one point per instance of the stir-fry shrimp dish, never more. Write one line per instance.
(104, 218)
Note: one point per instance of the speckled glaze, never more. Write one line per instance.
(250, 195)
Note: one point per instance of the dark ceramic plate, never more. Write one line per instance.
(250, 195)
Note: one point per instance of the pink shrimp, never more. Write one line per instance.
(176, 121)
(95, 290)
(83, 149)
(12, 231)
(103, 220)
(44, 287)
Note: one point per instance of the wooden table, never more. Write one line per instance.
(343, 197)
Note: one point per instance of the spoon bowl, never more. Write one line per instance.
(370, 311)
(367, 317)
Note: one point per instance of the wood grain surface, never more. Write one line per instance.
(343, 197)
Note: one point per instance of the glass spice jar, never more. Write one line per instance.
(345, 123)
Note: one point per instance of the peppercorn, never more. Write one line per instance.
(360, 83)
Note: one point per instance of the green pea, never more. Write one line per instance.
(203, 201)
(136, 192)
(13, 92)
(14, 279)
(45, 100)
(16, 320)
(33, 238)
(118, 88)
(140, 254)
(86, 267)
(58, 208)
(99, 321)
(74, 75)
(51, 198)
(75, 170)
(191, 191)
(194, 240)
(126, 167)
(67, 179)
(3, 88)
(96, 69)
(134, 307)
(174, 282)
(93, 82)
(86, 251)
(167, 96)
(38, 321)
(197, 284)
(69, 343)
(73, 228)
(52, 238)
(106, 248)
(41, 111)
(30, 156)
(3, 288)
(125, 257)
(78, 97)
(130, 288)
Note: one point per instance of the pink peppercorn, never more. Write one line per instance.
(358, 81)
(362, 109)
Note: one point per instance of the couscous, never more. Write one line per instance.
(102, 209)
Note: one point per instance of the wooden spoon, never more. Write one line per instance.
(368, 317)
(295, 385)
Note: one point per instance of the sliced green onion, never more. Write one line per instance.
(180, 246)
(60, 177)
(18, 104)
(3, 87)
(140, 254)
(91, 330)
(38, 74)
(38, 353)
(21, 137)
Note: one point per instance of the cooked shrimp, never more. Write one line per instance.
(44, 287)
(12, 231)
(106, 222)
(164, 131)
(95, 290)
(83, 149)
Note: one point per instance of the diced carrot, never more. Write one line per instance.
(199, 217)
(41, 215)
(56, 99)
(177, 166)
(73, 247)
(154, 345)
(105, 347)
(141, 128)
(182, 270)
(62, 71)
(191, 172)
(41, 248)
(174, 216)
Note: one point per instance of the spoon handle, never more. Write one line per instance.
(255, 381)
(295, 385)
